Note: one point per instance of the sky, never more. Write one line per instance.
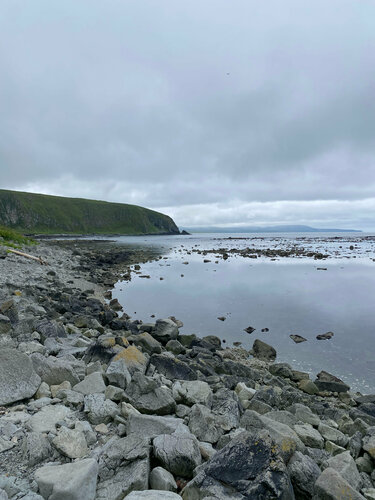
(215, 112)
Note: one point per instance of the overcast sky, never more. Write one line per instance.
(214, 111)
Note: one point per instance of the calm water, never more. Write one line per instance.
(289, 295)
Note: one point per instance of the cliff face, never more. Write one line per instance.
(43, 214)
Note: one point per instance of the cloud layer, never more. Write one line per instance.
(216, 112)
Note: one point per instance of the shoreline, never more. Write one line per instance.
(107, 385)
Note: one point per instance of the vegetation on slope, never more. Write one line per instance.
(12, 238)
(43, 214)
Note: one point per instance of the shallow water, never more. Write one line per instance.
(288, 296)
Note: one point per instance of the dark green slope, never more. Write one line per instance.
(43, 214)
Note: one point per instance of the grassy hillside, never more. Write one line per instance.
(42, 214)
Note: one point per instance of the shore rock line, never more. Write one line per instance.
(96, 406)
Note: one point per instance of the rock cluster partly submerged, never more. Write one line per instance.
(96, 406)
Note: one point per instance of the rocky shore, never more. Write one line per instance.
(95, 405)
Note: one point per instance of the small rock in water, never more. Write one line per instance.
(249, 329)
(264, 330)
(321, 269)
(298, 338)
(222, 318)
(236, 344)
(325, 336)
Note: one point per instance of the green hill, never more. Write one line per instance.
(33, 213)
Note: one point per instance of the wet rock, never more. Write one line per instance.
(165, 330)
(146, 395)
(308, 386)
(263, 351)
(73, 481)
(179, 453)
(325, 336)
(327, 382)
(249, 329)
(247, 467)
(331, 486)
(175, 347)
(298, 339)
(172, 368)
(281, 370)
(161, 479)
(18, 379)
(303, 473)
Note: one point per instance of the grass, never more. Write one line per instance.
(14, 239)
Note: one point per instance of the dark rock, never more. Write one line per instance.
(263, 351)
(165, 330)
(146, 395)
(49, 329)
(179, 453)
(248, 465)
(249, 329)
(325, 336)
(298, 338)
(303, 473)
(172, 368)
(327, 382)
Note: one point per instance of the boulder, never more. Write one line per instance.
(118, 374)
(263, 351)
(331, 486)
(91, 384)
(73, 481)
(152, 495)
(146, 342)
(225, 405)
(131, 476)
(133, 358)
(327, 382)
(46, 419)
(71, 443)
(303, 473)
(161, 479)
(53, 370)
(244, 393)
(146, 395)
(18, 379)
(99, 409)
(249, 466)
(345, 465)
(172, 368)
(179, 453)
(192, 392)
(369, 444)
(36, 448)
(333, 435)
(150, 426)
(48, 329)
(165, 330)
(204, 424)
(309, 436)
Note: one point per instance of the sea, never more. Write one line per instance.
(280, 295)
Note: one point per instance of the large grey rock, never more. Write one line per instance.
(305, 414)
(303, 473)
(53, 370)
(330, 485)
(18, 379)
(46, 419)
(92, 384)
(118, 374)
(263, 351)
(74, 481)
(369, 444)
(161, 479)
(146, 395)
(131, 476)
(150, 426)
(327, 382)
(147, 342)
(179, 453)
(225, 405)
(165, 330)
(47, 329)
(71, 443)
(99, 409)
(334, 435)
(36, 448)
(190, 392)
(172, 368)
(204, 424)
(249, 466)
(309, 436)
(345, 465)
(153, 495)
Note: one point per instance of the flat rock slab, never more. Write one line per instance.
(46, 419)
(74, 481)
(331, 486)
(153, 495)
(18, 379)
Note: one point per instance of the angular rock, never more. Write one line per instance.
(92, 384)
(345, 465)
(151, 426)
(48, 329)
(53, 370)
(153, 495)
(226, 406)
(71, 443)
(244, 393)
(334, 435)
(46, 419)
(146, 395)
(147, 342)
(327, 382)
(18, 379)
(99, 409)
(247, 467)
(331, 486)
(161, 479)
(172, 368)
(204, 424)
(74, 481)
(303, 473)
(165, 330)
(133, 358)
(192, 392)
(132, 476)
(118, 374)
(5, 324)
(36, 448)
(263, 351)
(309, 436)
(369, 444)
(179, 453)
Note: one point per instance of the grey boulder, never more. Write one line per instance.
(161, 479)
(330, 485)
(146, 395)
(179, 453)
(18, 379)
(303, 473)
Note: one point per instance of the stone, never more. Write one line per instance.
(131, 476)
(5, 324)
(263, 351)
(331, 486)
(146, 342)
(204, 424)
(244, 393)
(369, 493)
(161, 479)
(73, 481)
(134, 359)
(53, 370)
(9, 309)
(36, 448)
(364, 464)
(47, 418)
(308, 386)
(5, 444)
(283, 416)
(281, 370)
(249, 466)
(303, 473)
(334, 435)
(153, 495)
(327, 382)
(369, 445)
(18, 379)
(91, 384)
(165, 330)
(118, 374)
(178, 453)
(305, 414)
(55, 388)
(71, 443)
(192, 392)
(345, 465)
(207, 450)
(309, 436)
(333, 449)
(146, 395)
(114, 393)
(172, 368)
(150, 426)
(100, 410)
